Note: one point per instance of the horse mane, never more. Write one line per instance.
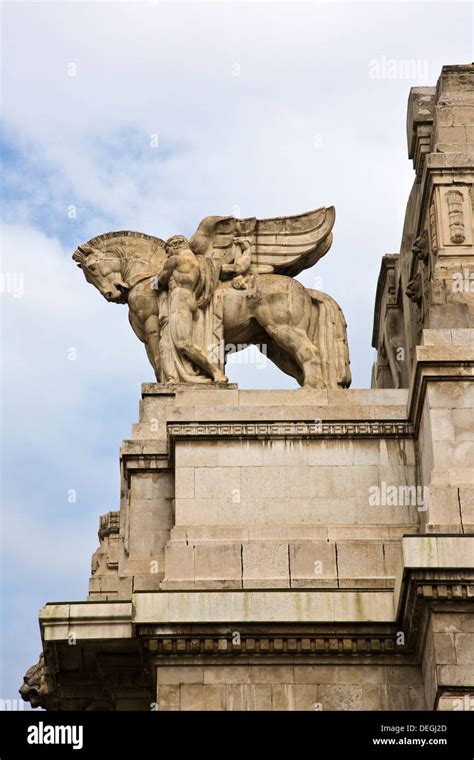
(152, 253)
(97, 241)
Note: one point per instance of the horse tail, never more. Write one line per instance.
(327, 330)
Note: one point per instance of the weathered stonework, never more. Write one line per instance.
(309, 549)
(429, 285)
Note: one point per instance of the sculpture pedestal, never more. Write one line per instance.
(256, 563)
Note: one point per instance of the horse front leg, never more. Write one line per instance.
(151, 338)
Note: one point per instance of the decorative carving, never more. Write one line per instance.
(433, 232)
(105, 558)
(232, 282)
(35, 688)
(320, 429)
(279, 643)
(108, 524)
(455, 215)
(414, 289)
(420, 247)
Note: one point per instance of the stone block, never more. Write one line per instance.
(356, 559)
(274, 674)
(443, 505)
(313, 481)
(327, 511)
(262, 482)
(267, 561)
(151, 486)
(312, 560)
(159, 539)
(248, 697)
(227, 674)
(150, 515)
(464, 646)
(456, 622)
(463, 423)
(185, 486)
(282, 697)
(195, 512)
(240, 453)
(455, 552)
(454, 454)
(363, 606)
(442, 424)
(281, 453)
(219, 482)
(179, 562)
(179, 674)
(330, 453)
(367, 452)
(392, 554)
(203, 697)
(140, 543)
(444, 648)
(168, 698)
(196, 454)
(305, 697)
(455, 675)
(341, 697)
(214, 397)
(451, 395)
(295, 397)
(217, 562)
(466, 503)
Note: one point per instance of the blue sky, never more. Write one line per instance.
(260, 110)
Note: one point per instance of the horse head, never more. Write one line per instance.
(116, 261)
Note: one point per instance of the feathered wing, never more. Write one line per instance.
(283, 245)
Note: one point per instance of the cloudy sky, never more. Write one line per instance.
(150, 116)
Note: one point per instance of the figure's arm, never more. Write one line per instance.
(168, 269)
(242, 262)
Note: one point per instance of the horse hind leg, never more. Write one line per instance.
(296, 343)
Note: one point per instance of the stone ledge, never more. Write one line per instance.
(86, 620)
(434, 552)
(437, 551)
(176, 607)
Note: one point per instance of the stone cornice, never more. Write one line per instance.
(323, 429)
(144, 455)
(307, 430)
(253, 644)
(363, 642)
(426, 589)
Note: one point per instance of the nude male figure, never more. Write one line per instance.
(181, 274)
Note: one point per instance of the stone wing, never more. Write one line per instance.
(283, 245)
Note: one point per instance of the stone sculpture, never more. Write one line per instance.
(231, 284)
(35, 688)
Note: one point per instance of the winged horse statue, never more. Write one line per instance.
(231, 284)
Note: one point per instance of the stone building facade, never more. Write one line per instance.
(304, 549)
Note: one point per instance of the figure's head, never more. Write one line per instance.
(175, 244)
(103, 269)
